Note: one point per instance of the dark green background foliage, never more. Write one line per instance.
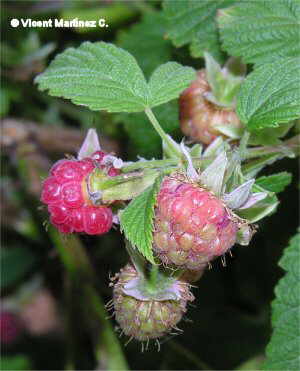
(230, 320)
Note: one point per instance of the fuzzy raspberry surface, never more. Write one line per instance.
(192, 226)
(198, 116)
(65, 193)
(147, 319)
(10, 327)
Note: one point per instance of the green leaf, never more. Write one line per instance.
(143, 139)
(168, 81)
(283, 350)
(270, 95)
(145, 41)
(102, 76)
(137, 220)
(276, 182)
(269, 136)
(15, 263)
(17, 362)
(261, 31)
(190, 21)
(99, 76)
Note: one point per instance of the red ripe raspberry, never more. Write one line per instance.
(66, 195)
(86, 165)
(198, 116)
(72, 194)
(192, 226)
(97, 220)
(59, 213)
(10, 327)
(66, 170)
(51, 190)
(77, 217)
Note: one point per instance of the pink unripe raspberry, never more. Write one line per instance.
(198, 116)
(192, 226)
(65, 192)
(10, 327)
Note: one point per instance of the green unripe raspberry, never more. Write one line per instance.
(149, 318)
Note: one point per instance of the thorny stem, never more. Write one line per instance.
(165, 138)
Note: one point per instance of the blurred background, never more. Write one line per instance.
(46, 321)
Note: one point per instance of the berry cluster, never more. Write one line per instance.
(192, 226)
(65, 192)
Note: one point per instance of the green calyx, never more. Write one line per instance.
(224, 82)
(156, 285)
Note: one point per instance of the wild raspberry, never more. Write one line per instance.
(198, 116)
(65, 192)
(192, 226)
(10, 327)
(148, 318)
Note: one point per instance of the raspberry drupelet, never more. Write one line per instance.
(192, 226)
(66, 194)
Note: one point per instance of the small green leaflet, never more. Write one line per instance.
(167, 81)
(261, 31)
(270, 95)
(283, 350)
(190, 21)
(276, 182)
(102, 76)
(137, 220)
(145, 36)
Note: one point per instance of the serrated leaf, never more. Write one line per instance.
(144, 37)
(98, 75)
(261, 31)
(168, 81)
(193, 22)
(270, 95)
(283, 349)
(15, 263)
(137, 220)
(102, 76)
(276, 182)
